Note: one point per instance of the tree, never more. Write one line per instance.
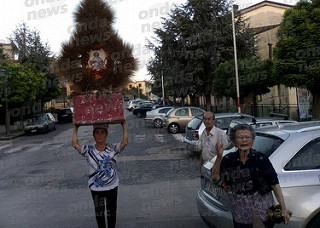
(297, 52)
(2, 55)
(24, 87)
(255, 78)
(194, 40)
(28, 47)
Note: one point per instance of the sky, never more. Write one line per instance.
(135, 20)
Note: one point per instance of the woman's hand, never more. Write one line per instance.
(286, 215)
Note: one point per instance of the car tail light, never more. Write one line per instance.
(195, 135)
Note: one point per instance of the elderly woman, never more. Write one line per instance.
(248, 178)
(103, 178)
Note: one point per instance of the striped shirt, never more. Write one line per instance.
(102, 166)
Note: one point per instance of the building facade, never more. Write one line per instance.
(264, 19)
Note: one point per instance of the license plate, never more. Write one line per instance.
(212, 189)
(33, 130)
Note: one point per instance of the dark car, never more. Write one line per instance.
(65, 115)
(42, 123)
(143, 109)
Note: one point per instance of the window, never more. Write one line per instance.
(196, 111)
(266, 144)
(139, 85)
(307, 158)
(182, 112)
(194, 124)
(262, 124)
(165, 110)
(130, 86)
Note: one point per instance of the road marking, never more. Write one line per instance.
(5, 146)
(178, 137)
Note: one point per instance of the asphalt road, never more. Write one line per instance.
(43, 180)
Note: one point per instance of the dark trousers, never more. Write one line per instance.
(99, 198)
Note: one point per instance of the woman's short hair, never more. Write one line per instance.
(238, 127)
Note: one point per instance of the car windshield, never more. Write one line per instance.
(263, 143)
(194, 124)
(38, 119)
(168, 113)
(266, 144)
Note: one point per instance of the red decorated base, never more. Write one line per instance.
(98, 108)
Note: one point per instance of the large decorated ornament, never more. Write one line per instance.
(95, 58)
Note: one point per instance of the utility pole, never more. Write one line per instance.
(235, 58)
(4, 73)
(162, 85)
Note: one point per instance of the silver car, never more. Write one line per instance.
(156, 116)
(294, 151)
(41, 123)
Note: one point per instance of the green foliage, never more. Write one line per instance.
(2, 55)
(29, 48)
(297, 53)
(193, 41)
(255, 76)
(25, 84)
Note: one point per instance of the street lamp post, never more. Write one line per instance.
(162, 85)
(235, 58)
(6, 97)
(163, 100)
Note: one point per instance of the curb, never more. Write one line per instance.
(10, 137)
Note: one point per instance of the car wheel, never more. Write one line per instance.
(139, 114)
(315, 222)
(158, 123)
(54, 127)
(173, 128)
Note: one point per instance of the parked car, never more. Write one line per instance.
(132, 104)
(272, 121)
(262, 122)
(65, 115)
(195, 127)
(156, 116)
(142, 109)
(136, 103)
(41, 123)
(178, 118)
(294, 151)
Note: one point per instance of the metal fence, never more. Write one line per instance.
(284, 110)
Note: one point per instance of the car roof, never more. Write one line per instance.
(260, 119)
(290, 128)
(226, 114)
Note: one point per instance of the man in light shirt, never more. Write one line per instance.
(211, 138)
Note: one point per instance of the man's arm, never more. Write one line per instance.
(75, 143)
(215, 171)
(125, 138)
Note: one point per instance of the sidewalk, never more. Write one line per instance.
(13, 134)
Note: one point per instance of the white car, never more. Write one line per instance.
(294, 151)
(156, 116)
